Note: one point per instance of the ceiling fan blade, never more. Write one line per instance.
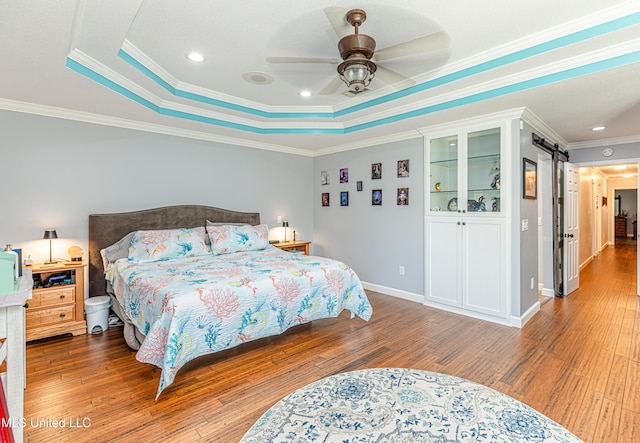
(394, 79)
(332, 86)
(431, 42)
(336, 16)
(333, 61)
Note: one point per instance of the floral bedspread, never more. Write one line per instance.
(198, 305)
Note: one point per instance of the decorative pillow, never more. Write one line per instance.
(168, 243)
(210, 223)
(226, 239)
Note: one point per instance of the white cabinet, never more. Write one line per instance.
(12, 352)
(466, 266)
(466, 222)
(464, 171)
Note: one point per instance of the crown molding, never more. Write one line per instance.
(543, 129)
(606, 142)
(86, 117)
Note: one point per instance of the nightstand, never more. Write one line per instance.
(293, 246)
(56, 308)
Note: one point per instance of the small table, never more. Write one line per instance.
(292, 246)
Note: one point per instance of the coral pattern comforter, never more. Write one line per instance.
(198, 305)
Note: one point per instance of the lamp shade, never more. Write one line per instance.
(49, 234)
(285, 224)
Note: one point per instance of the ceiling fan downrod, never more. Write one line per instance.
(357, 70)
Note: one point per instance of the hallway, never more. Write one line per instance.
(595, 335)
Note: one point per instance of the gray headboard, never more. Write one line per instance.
(106, 229)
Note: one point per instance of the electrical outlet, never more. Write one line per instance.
(525, 224)
(533, 282)
(401, 270)
(279, 219)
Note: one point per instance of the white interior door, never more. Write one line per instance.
(571, 269)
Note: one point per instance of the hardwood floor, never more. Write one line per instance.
(577, 361)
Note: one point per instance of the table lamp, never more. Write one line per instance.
(285, 225)
(50, 234)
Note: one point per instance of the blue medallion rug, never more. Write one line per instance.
(401, 406)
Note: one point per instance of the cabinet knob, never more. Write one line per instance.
(26, 306)
(458, 223)
(464, 223)
(62, 297)
(62, 315)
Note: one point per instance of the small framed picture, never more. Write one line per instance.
(358, 186)
(325, 199)
(344, 198)
(403, 168)
(376, 197)
(376, 171)
(344, 175)
(403, 196)
(529, 179)
(324, 177)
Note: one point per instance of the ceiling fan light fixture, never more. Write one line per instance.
(357, 73)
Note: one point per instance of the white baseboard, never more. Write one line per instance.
(547, 292)
(418, 298)
(586, 262)
(468, 313)
(519, 322)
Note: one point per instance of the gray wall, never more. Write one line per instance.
(56, 172)
(374, 240)
(594, 155)
(527, 240)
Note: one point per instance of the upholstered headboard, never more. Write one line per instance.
(106, 229)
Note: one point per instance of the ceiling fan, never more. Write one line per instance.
(359, 64)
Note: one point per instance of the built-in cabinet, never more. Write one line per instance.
(466, 223)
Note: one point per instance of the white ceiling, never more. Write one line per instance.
(574, 64)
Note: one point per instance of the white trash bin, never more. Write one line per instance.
(97, 310)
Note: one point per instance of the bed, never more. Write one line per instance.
(192, 280)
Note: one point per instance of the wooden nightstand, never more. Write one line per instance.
(301, 246)
(59, 308)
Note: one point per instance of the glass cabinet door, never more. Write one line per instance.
(483, 171)
(443, 158)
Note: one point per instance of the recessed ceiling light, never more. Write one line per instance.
(598, 128)
(195, 57)
(305, 93)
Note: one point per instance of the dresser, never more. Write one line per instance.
(621, 226)
(56, 308)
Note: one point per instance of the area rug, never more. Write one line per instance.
(402, 405)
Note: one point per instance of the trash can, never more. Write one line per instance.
(97, 310)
